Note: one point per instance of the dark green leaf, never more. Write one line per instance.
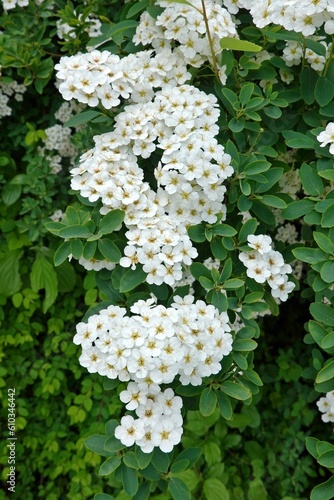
(111, 221)
(109, 250)
(208, 402)
(131, 279)
(110, 465)
(178, 489)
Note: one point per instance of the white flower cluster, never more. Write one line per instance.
(303, 16)
(93, 30)
(267, 265)
(159, 422)
(66, 110)
(327, 137)
(11, 4)
(294, 53)
(326, 406)
(7, 90)
(179, 120)
(96, 265)
(185, 24)
(58, 138)
(156, 344)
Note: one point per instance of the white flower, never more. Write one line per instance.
(166, 435)
(130, 430)
(261, 243)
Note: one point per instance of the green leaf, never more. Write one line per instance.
(218, 299)
(110, 465)
(273, 201)
(249, 227)
(328, 341)
(75, 231)
(131, 279)
(136, 8)
(241, 45)
(217, 249)
(143, 459)
(246, 92)
(206, 283)
(323, 491)
(256, 167)
(311, 446)
(81, 118)
(109, 250)
(308, 79)
(198, 269)
(43, 276)
(257, 490)
(96, 443)
(324, 242)
(178, 489)
(233, 284)
(327, 459)
(111, 221)
(66, 277)
(297, 140)
(324, 91)
(213, 489)
(225, 406)
(322, 313)
(11, 193)
(309, 255)
(197, 233)
(129, 480)
(160, 460)
(224, 230)
(208, 402)
(244, 345)
(235, 390)
(327, 174)
(326, 373)
(180, 466)
(327, 271)
(10, 279)
(327, 219)
(122, 26)
(190, 454)
(297, 209)
(311, 181)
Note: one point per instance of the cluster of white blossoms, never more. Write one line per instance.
(267, 265)
(157, 343)
(304, 16)
(8, 90)
(294, 53)
(327, 137)
(179, 121)
(11, 4)
(93, 30)
(185, 25)
(159, 422)
(326, 406)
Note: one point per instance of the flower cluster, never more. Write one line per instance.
(326, 406)
(301, 16)
(294, 52)
(156, 344)
(267, 265)
(159, 422)
(93, 29)
(180, 121)
(185, 24)
(7, 90)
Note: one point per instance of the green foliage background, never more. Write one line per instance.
(261, 452)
